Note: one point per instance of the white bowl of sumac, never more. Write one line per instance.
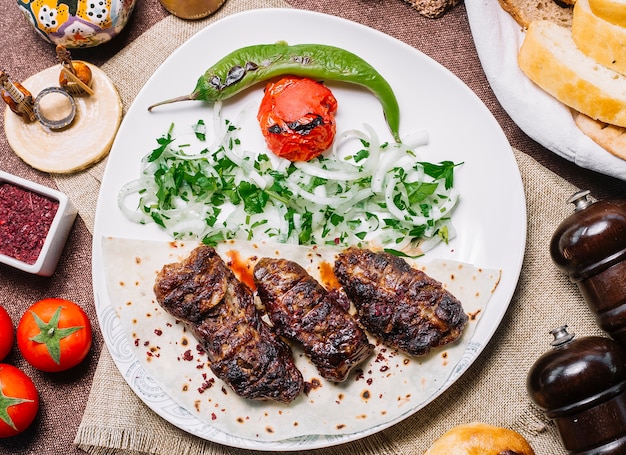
(35, 222)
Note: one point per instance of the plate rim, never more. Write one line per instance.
(478, 342)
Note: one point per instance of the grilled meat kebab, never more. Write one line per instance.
(402, 306)
(243, 351)
(302, 310)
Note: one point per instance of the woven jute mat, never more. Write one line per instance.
(493, 390)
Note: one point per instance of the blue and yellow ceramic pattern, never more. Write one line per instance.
(77, 23)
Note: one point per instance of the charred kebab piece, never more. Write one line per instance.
(302, 310)
(400, 305)
(204, 293)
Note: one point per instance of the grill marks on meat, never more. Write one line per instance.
(304, 311)
(219, 310)
(400, 305)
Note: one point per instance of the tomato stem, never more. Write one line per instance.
(5, 403)
(51, 335)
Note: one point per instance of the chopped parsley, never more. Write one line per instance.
(377, 194)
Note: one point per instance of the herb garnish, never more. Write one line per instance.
(378, 193)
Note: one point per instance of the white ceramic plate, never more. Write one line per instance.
(542, 117)
(490, 219)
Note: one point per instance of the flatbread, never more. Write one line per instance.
(86, 141)
(612, 138)
(390, 384)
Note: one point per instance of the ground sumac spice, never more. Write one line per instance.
(25, 219)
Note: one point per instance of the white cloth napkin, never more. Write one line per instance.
(549, 122)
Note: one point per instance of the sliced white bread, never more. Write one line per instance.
(526, 11)
(551, 59)
(598, 38)
(610, 137)
(613, 11)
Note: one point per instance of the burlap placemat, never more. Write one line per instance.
(493, 389)
(129, 70)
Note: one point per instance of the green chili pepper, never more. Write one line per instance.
(247, 66)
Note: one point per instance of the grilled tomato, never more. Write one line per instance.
(297, 118)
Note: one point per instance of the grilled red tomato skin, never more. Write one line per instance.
(297, 118)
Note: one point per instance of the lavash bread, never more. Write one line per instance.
(550, 58)
(598, 38)
(526, 11)
(480, 438)
(613, 11)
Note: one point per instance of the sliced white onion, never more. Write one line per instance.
(415, 139)
(353, 198)
(328, 174)
(357, 191)
(134, 215)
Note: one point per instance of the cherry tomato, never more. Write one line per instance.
(19, 401)
(7, 334)
(54, 335)
(297, 118)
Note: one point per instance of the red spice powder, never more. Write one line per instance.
(25, 219)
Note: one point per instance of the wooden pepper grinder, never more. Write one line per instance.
(581, 385)
(590, 247)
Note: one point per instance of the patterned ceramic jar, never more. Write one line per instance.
(77, 23)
